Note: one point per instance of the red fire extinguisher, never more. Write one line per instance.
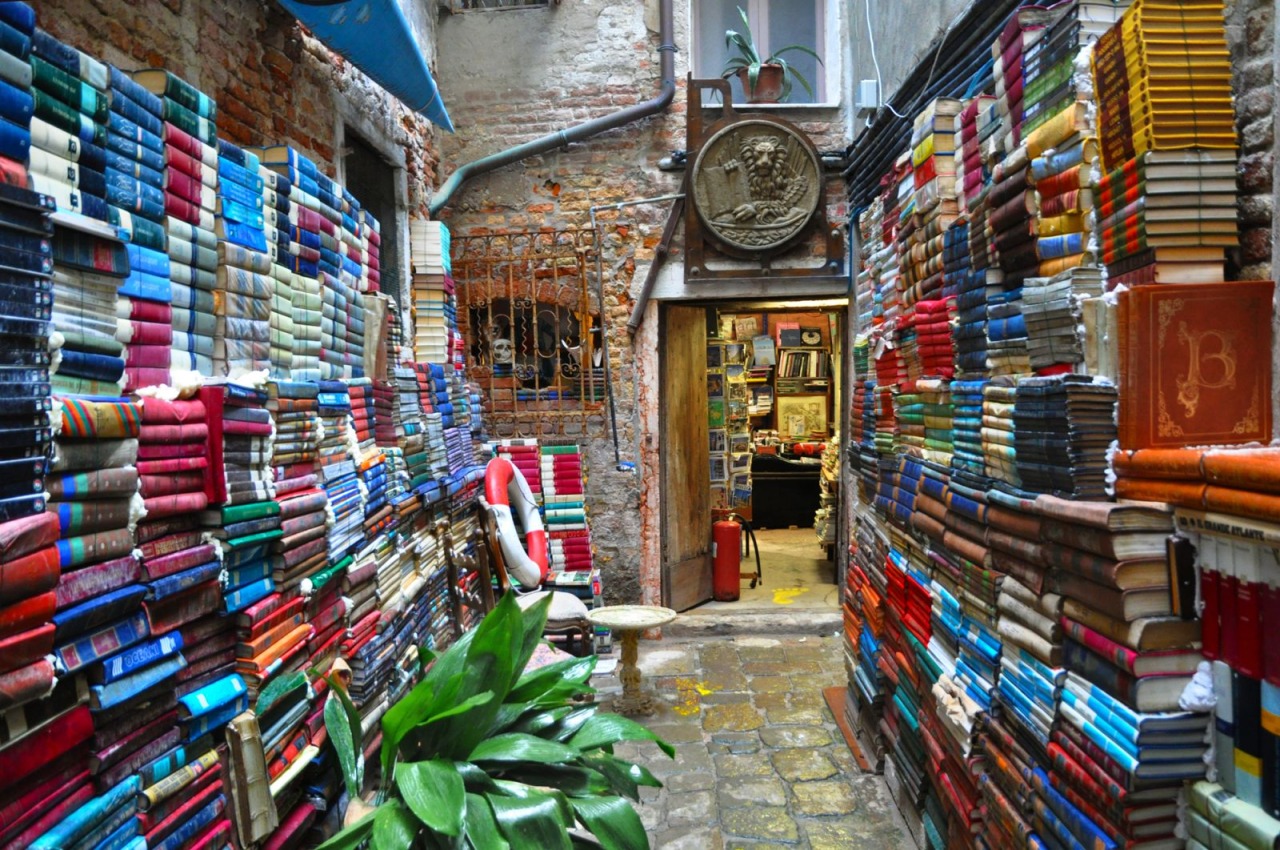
(726, 557)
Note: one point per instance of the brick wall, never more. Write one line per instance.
(273, 83)
(1251, 35)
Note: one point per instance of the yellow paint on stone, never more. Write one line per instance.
(787, 595)
(688, 692)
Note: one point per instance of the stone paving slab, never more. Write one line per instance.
(760, 762)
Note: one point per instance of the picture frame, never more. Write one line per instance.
(718, 440)
(802, 416)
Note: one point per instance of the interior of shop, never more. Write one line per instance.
(773, 386)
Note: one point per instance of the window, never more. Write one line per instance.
(372, 180)
(775, 24)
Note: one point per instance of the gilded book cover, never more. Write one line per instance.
(1195, 364)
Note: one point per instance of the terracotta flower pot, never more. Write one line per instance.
(768, 84)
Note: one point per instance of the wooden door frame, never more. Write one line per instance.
(669, 566)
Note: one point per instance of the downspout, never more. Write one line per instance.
(585, 130)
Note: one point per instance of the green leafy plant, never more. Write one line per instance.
(483, 754)
(748, 58)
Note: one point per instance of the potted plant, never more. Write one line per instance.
(764, 80)
(485, 754)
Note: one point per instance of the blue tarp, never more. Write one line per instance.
(375, 37)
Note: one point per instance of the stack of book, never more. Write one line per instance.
(1054, 314)
(939, 422)
(371, 239)
(933, 173)
(69, 95)
(967, 398)
(190, 202)
(1008, 351)
(909, 417)
(970, 332)
(246, 284)
(933, 337)
(16, 104)
(89, 267)
(303, 504)
(869, 310)
(1167, 197)
(338, 471)
(998, 441)
(976, 114)
(1064, 426)
(899, 224)
(955, 257)
(433, 295)
(564, 506)
(1064, 155)
(1023, 29)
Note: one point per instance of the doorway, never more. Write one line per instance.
(768, 385)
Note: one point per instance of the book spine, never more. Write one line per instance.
(1121, 656)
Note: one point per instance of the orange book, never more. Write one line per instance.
(1169, 464)
(1195, 364)
(1186, 493)
(1229, 500)
(1247, 469)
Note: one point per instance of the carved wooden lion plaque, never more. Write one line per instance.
(756, 185)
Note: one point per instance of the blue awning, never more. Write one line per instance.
(375, 37)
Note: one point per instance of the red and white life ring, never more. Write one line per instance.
(506, 489)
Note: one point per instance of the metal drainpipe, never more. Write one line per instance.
(563, 138)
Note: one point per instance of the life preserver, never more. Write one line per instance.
(505, 489)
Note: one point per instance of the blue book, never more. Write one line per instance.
(239, 578)
(245, 234)
(247, 203)
(139, 656)
(77, 824)
(134, 149)
(148, 260)
(85, 364)
(212, 696)
(179, 582)
(119, 817)
(74, 621)
(89, 648)
(119, 125)
(237, 173)
(55, 52)
(148, 287)
(124, 835)
(14, 42)
(126, 688)
(1053, 247)
(134, 111)
(140, 171)
(20, 16)
(1077, 822)
(197, 727)
(121, 81)
(192, 827)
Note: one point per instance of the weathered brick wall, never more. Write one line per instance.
(1251, 33)
(273, 83)
(547, 69)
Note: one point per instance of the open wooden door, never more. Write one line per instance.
(686, 459)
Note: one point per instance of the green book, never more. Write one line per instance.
(161, 82)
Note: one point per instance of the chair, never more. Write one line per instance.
(567, 622)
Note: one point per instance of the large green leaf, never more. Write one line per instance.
(613, 822)
(343, 736)
(535, 683)
(351, 837)
(604, 730)
(497, 643)
(573, 780)
(535, 722)
(482, 827)
(570, 725)
(533, 623)
(624, 777)
(434, 792)
(423, 741)
(394, 827)
(278, 687)
(516, 747)
(531, 822)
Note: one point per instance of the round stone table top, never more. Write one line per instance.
(631, 617)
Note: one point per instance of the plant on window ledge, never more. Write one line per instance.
(484, 754)
(764, 80)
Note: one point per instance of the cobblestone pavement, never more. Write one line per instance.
(760, 762)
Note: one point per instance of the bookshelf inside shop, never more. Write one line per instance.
(771, 414)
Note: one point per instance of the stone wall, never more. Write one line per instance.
(1251, 33)
(273, 82)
